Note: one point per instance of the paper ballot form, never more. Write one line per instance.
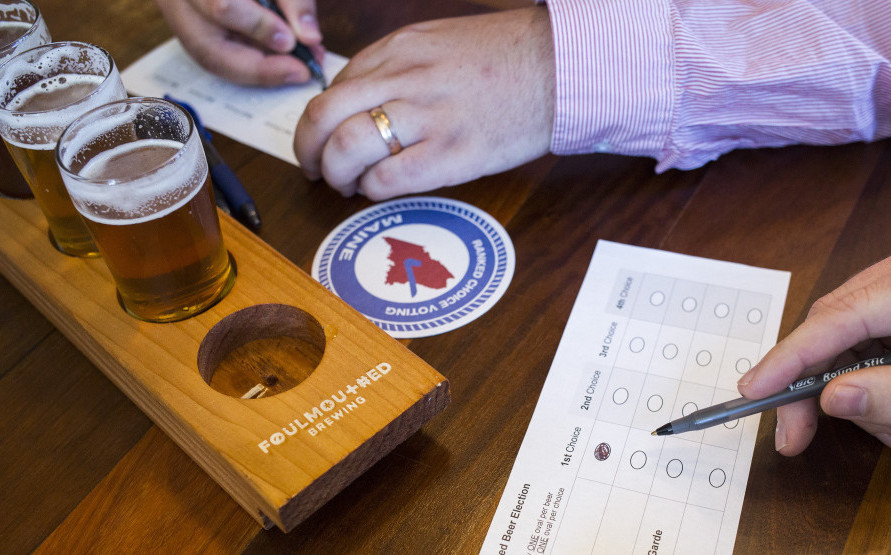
(260, 117)
(653, 336)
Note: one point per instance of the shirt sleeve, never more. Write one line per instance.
(684, 81)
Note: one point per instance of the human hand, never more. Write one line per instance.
(243, 41)
(851, 323)
(465, 97)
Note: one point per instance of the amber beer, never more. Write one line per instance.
(67, 229)
(136, 171)
(21, 27)
(42, 90)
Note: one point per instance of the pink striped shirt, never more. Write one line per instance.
(684, 81)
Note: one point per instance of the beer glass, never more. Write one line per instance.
(137, 173)
(21, 27)
(42, 90)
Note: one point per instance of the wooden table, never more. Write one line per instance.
(82, 469)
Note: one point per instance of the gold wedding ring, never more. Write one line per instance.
(383, 126)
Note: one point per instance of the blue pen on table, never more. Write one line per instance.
(300, 51)
(224, 180)
(739, 408)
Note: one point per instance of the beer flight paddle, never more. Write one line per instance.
(356, 392)
(277, 388)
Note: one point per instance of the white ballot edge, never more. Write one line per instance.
(589, 304)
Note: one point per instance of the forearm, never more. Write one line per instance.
(685, 82)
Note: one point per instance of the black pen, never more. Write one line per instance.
(223, 178)
(300, 51)
(739, 408)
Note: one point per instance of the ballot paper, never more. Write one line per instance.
(262, 118)
(653, 336)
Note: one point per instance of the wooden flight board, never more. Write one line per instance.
(329, 392)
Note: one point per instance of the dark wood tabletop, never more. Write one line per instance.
(83, 470)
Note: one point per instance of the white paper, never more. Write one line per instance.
(262, 118)
(652, 336)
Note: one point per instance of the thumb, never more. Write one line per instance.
(863, 397)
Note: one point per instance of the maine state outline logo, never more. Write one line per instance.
(418, 266)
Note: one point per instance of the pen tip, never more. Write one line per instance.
(653, 433)
(316, 73)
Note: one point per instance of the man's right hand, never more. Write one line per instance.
(243, 41)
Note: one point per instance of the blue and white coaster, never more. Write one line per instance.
(418, 266)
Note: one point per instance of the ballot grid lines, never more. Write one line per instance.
(722, 310)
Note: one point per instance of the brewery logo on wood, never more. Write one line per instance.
(418, 266)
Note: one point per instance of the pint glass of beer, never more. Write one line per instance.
(136, 171)
(42, 90)
(21, 27)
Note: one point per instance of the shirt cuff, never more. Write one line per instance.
(614, 76)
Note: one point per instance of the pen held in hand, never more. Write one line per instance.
(742, 407)
(300, 50)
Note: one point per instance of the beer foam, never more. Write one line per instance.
(78, 67)
(60, 57)
(24, 24)
(86, 133)
(18, 12)
(37, 145)
(55, 85)
(13, 30)
(143, 198)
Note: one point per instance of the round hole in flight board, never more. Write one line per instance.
(261, 350)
